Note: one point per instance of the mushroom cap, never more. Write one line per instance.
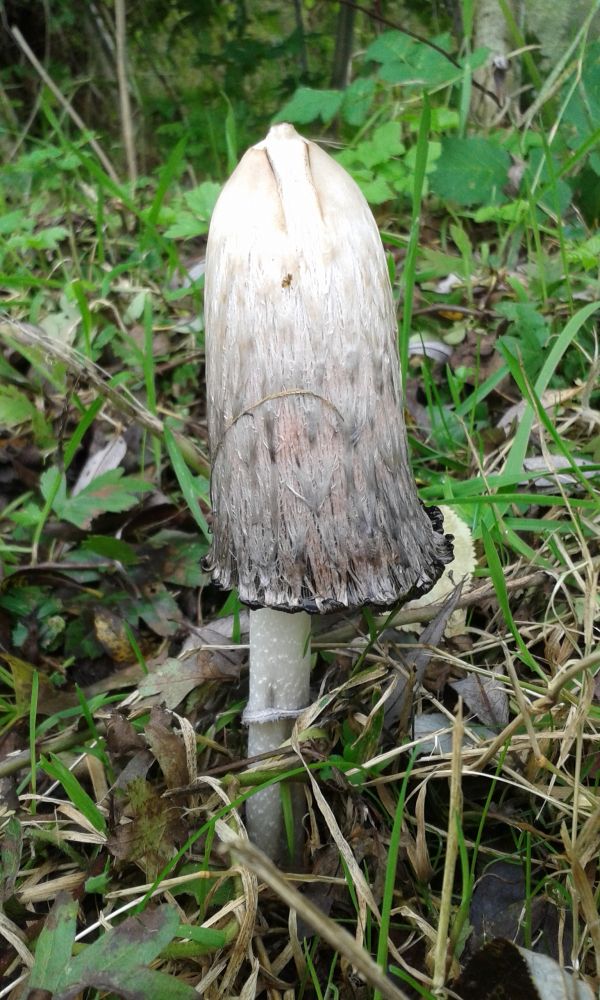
(314, 503)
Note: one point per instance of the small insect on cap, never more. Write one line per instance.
(314, 503)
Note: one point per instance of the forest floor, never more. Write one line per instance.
(451, 756)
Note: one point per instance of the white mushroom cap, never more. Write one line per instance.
(314, 503)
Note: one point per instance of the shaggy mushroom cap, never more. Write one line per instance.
(314, 503)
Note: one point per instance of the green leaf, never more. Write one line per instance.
(410, 62)
(75, 792)
(47, 239)
(193, 220)
(357, 101)
(14, 221)
(15, 407)
(201, 200)
(375, 189)
(527, 335)
(191, 488)
(497, 574)
(307, 105)
(118, 961)
(111, 492)
(202, 935)
(55, 944)
(384, 143)
(471, 171)
(110, 548)
(187, 227)
(390, 47)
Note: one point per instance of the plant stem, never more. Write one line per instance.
(279, 688)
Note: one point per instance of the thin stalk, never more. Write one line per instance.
(279, 688)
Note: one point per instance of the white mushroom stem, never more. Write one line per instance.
(279, 689)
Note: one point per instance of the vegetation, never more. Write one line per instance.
(451, 774)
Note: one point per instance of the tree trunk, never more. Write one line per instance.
(342, 56)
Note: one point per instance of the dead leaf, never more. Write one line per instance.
(502, 971)
(396, 707)
(154, 833)
(497, 907)
(486, 698)
(173, 679)
(168, 748)
(112, 635)
(104, 460)
(122, 739)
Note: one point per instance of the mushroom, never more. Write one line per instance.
(314, 505)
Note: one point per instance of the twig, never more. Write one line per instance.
(126, 120)
(18, 37)
(14, 762)
(440, 955)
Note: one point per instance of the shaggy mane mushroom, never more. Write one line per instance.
(314, 505)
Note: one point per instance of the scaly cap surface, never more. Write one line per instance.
(314, 503)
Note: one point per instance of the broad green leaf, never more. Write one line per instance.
(111, 492)
(193, 220)
(14, 221)
(201, 200)
(118, 960)
(47, 239)
(527, 334)
(110, 548)
(384, 143)
(390, 47)
(410, 62)
(586, 254)
(375, 189)
(357, 101)
(187, 227)
(15, 407)
(55, 944)
(307, 105)
(471, 171)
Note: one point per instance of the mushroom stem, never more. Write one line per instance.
(279, 689)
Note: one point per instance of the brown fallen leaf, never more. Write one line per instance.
(173, 679)
(485, 697)
(122, 739)
(168, 747)
(156, 830)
